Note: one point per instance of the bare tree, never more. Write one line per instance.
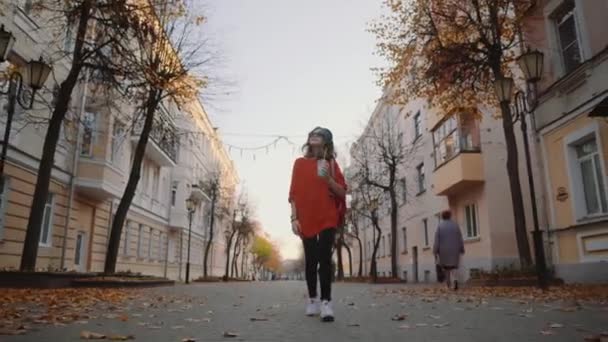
(164, 59)
(380, 157)
(352, 219)
(220, 198)
(98, 27)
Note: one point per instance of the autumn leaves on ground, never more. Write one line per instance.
(25, 311)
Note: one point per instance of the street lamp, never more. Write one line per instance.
(191, 204)
(37, 73)
(531, 64)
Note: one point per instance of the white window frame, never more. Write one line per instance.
(577, 201)
(421, 178)
(51, 207)
(116, 142)
(89, 152)
(551, 28)
(4, 195)
(466, 223)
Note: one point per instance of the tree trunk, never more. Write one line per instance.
(228, 246)
(47, 160)
(374, 264)
(134, 176)
(243, 258)
(360, 272)
(521, 233)
(340, 265)
(350, 260)
(394, 254)
(235, 256)
(214, 198)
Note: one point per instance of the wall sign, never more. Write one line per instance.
(562, 194)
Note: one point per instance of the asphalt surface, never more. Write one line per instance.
(274, 311)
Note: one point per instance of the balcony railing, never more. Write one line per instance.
(163, 134)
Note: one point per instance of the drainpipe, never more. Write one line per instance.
(75, 159)
(181, 252)
(166, 255)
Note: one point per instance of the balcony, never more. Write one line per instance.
(163, 143)
(458, 157)
(98, 179)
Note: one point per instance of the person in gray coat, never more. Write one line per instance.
(448, 248)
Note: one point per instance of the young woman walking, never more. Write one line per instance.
(317, 189)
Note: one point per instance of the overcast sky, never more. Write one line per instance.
(297, 64)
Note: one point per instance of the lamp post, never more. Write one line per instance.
(191, 206)
(37, 73)
(531, 63)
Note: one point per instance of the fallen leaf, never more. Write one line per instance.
(258, 319)
(555, 325)
(404, 326)
(176, 327)
(547, 332)
(441, 325)
(354, 325)
(121, 337)
(206, 320)
(88, 335)
(124, 318)
(230, 334)
(188, 339)
(399, 318)
(192, 320)
(351, 304)
(434, 316)
(154, 327)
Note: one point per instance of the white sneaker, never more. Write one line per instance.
(327, 314)
(312, 308)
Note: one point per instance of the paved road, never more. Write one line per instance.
(363, 313)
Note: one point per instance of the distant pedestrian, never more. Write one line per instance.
(317, 195)
(448, 248)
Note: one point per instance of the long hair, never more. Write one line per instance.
(329, 152)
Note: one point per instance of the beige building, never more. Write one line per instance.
(459, 163)
(572, 129)
(92, 164)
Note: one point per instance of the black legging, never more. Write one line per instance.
(317, 251)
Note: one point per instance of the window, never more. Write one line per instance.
(70, 37)
(425, 226)
(155, 181)
(591, 179)
(150, 238)
(89, 123)
(4, 191)
(403, 189)
(127, 239)
(46, 232)
(383, 246)
(118, 135)
(173, 193)
(140, 241)
(404, 232)
(417, 126)
(567, 34)
(459, 133)
(421, 180)
(470, 217)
